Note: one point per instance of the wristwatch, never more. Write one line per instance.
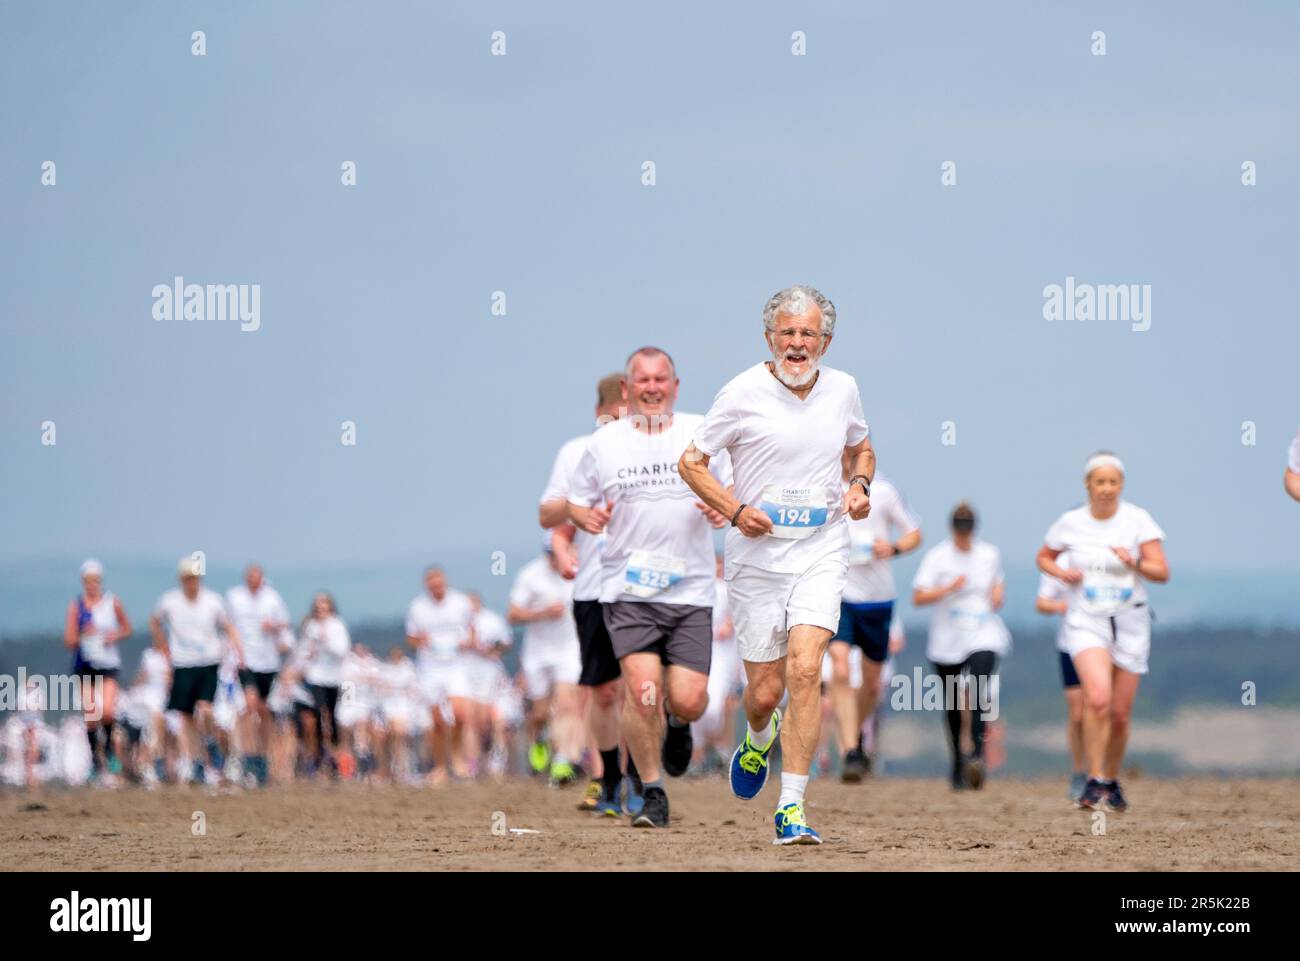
(861, 479)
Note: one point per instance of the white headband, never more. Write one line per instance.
(1102, 460)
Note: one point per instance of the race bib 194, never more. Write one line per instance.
(795, 512)
(649, 574)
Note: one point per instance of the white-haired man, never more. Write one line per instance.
(786, 423)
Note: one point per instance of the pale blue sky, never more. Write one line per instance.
(521, 173)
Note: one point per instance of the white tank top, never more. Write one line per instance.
(93, 649)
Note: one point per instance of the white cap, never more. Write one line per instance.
(188, 567)
(92, 567)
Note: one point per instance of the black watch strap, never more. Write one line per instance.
(736, 516)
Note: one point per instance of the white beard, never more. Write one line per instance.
(791, 380)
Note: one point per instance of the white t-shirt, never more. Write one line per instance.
(586, 584)
(447, 624)
(491, 629)
(327, 643)
(1052, 589)
(248, 610)
(786, 453)
(538, 585)
(398, 680)
(871, 580)
(193, 627)
(1293, 456)
(964, 622)
(1108, 586)
(660, 545)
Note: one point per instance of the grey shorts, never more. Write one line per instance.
(679, 633)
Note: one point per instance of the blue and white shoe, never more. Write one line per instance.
(792, 827)
(749, 766)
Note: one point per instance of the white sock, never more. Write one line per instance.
(760, 739)
(793, 787)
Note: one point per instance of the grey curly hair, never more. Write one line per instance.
(794, 301)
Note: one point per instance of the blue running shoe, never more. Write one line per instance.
(633, 799)
(792, 827)
(749, 764)
(1077, 782)
(608, 808)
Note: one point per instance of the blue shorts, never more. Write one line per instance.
(1069, 676)
(867, 625)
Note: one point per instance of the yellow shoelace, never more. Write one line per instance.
(792, 814)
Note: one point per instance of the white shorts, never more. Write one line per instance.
(353, 711)
(545, 667)
(765, 604)
(399, 710)
(437, 685)
(1126, 635)
(480, 678)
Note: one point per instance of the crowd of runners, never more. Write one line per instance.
(643, 646)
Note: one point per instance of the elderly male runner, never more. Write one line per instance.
(786, 424)
(657, 570)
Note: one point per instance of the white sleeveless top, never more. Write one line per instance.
(93, 649)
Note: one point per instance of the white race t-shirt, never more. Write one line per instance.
(326, 642)
(586, 584)
(871, 580)
(660, 545)
(964, 622)
(1108, 587)
(491, 629)
(786, 453)
(538, 585)
(447, 624)
(193, 627)
(1052, 589)
(1293, 456)
(249, 611)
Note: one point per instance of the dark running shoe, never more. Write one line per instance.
(1115, 799)
(655, 812)
(678, 745)
(1094, 792)
(855, 767)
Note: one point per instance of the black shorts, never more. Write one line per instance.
(680, 634)
(88, 673)
(599, 665)
(260, 681)
(866, 625)
(190, 685)
(1069, 676)
(325, 698)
